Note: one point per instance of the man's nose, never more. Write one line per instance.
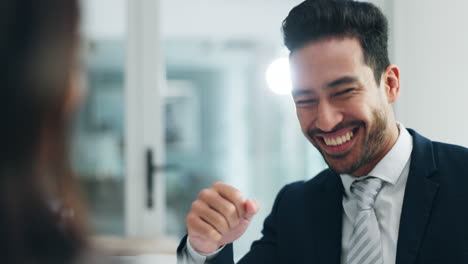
(328, 117)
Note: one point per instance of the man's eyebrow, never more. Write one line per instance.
(341, 81)
(299, 92)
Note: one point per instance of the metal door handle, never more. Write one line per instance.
(152, 170)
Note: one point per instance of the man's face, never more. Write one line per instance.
(341, 109)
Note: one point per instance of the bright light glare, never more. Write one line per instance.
(278, 76)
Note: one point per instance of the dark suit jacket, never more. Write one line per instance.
(305, 224)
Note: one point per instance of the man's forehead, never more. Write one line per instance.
(328, 48)
(326, 61)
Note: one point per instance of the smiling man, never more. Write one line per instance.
(343, 110)
(389, 196)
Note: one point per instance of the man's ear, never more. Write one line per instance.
(391, 82)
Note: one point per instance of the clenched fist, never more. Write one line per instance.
(218, 217)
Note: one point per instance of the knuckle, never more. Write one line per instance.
(238, 196)
(230, 209)
(196, 205)
(204, 194)
(217, 184)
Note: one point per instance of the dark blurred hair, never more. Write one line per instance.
(313, 20)
(40, 215)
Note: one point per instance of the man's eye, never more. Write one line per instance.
(307, 101)
(345, 91)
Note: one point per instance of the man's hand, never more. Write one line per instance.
(218, 217)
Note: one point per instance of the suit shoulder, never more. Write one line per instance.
(452, 160)
(450, 151)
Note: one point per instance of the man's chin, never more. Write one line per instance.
(341, 165)
(338, 157)
(340, 169)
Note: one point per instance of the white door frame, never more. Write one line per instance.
(145, 82)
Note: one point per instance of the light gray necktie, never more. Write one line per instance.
(365, 244)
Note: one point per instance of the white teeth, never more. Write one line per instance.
(339, 140)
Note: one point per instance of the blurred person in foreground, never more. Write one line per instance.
(389, 195)
(41, 217)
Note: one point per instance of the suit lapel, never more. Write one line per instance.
(417, 203)
(328, 220)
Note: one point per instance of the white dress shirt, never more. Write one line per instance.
(191, 256)
(393, 169)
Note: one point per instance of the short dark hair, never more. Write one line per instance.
(314, 20)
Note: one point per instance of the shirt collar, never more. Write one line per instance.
(391, 166)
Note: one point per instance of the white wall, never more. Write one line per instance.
(188, 19)
(431, 48)
(104, 19)
(255, 19)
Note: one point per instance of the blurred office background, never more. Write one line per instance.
(178, 99)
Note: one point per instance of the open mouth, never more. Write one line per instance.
(338, 142)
